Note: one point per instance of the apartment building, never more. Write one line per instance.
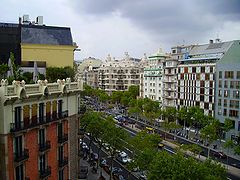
(170, 75)
(38, 130)
(228, 89)
(170, 82)
(196, 75)
(153, 76)
(88, 71)
(118, 75)
(34, 41)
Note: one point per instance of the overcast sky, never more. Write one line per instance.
(102, 27)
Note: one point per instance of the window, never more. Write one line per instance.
(41, 137)
(225, 112)
(206, 76)
(60, 153)
(60, 129)
(234, 104)
(193, 69)
(210, 91)
(201, 90)
(219, 102)
(41, 112)
(198, 76)
(211, 84)
(236, 94)
(60, 174)
(182, 76)
(220, 74)
(237, 84)
(18, 116)
(226, 93)
(233, 113)
(202, 69)
(238, 74)
(206, 106)
(232, 84)
(211, 69)
(19, 172)
(60, 102)
(42, 163)
(225, 84)
(229, 74)
(202, 83)
(210, 98)
(18, 146)
(225, 103)
(201, 97)
(220, 92)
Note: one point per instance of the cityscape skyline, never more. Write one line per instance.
(137, 26)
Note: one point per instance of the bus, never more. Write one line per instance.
(149, 130)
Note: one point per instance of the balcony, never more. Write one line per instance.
(63, 138)
(63, 114)
(21, 156)
(62, 162)
(45, 146)
(35, 122)
(45, 172)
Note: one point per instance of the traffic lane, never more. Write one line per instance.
(103, 154)
(173, 151)
(182, 140)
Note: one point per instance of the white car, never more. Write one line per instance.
(123, 158)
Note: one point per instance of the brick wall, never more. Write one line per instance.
(10, 162)
(52, 154)
(73, 142)
(31, 143)
(3, 153)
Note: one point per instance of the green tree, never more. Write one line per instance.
(28, 77)
(237, 150)
(3, 70)
(144, 147)
(210, 132)
(134, 91)
(182, 116)
(116, 138)
(166, 166)
(55, 73)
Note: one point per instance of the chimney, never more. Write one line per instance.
(210, 41)
(20, 20)
(217, 40)
(26, 19)
(39, 20)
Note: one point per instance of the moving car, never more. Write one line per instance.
(123, 158)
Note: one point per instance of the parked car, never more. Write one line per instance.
(220, 155)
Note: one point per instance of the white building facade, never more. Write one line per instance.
(153, 76)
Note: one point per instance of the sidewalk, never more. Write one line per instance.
(91, 174)
(234, 171)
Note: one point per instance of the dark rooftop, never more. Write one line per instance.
(34, 34)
